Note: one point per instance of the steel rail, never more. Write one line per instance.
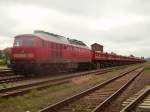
(11, 78)
(4, 73)
(50, 80)
(133, 104)
(118, 92)
(57, 106)
(20, 90)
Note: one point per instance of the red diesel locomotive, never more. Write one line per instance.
(44, 52)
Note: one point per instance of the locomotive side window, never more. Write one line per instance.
(60, 46)
(49, 44)
(57, 46)
(18, 42)
(65, 47)
(52, 45)
(40, 43)
(46, 44)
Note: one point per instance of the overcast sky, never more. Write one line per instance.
(122, 26)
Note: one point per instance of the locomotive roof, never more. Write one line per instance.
(59, 39)
(51, 37)
(76, 42)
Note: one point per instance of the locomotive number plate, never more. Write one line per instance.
(29, 55)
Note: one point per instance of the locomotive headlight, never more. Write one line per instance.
(24, 55)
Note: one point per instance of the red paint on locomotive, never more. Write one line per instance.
(44, 49)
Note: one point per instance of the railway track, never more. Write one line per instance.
(116, 104)
(7, 76)
(140, 102)
(8, 79)
(23, 89)
(6, 72)
(98, 97)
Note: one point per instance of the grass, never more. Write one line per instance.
(36, 100)
(147, 68)
(2, 100)
(33, 100)
(33, 93)
(6, 85)
(2, 62)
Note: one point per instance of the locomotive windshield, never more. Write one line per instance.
(24, 41)
(29, 42)
(18, 42)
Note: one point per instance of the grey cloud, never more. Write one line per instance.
(6, 23)
(76, 17)
(89, 7)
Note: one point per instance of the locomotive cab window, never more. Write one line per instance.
(30, 42)
(18, 42)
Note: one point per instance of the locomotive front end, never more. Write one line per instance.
(23, 54)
